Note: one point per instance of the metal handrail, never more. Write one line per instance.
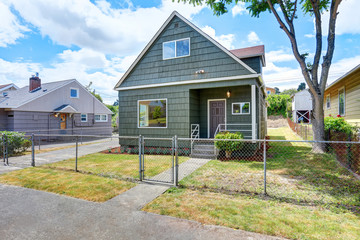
(195, 134)
(226, 128)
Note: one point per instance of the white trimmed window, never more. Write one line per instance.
(101, 118)
(176, 49)
(240, 108)
(74, 92)
(152, 113)
(83, 117)
(328, 102)
(342, 101)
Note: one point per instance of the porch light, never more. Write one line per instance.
(228, 93)
(56, 114)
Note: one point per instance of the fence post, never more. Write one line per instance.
(32, 150)
(3, 138)
(265, 193)
(173, 160)
(176, 162)
(140, 158)
(7, 150)
(76, 153)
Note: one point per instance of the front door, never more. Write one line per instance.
(216, 115)
(63, 121)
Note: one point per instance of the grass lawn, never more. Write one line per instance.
(118, 165)
(310, 195)
(84, 186)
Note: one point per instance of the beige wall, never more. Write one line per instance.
(351, 84)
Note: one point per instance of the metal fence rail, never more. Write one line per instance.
(304, 172)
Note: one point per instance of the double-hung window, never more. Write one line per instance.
(101, 118)
(83, 117)
(176, 49)
(328, 102)
(152, 113)
(240, 108)
(342, 101)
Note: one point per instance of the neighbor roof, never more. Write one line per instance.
(15, 99)
(2, 86)
(256, 51)
(343, 76)
(7, 86)
(174, 13)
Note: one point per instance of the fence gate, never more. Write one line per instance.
(157, 160)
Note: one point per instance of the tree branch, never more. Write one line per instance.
(315, 66)
(295, 49)
(331, 44)
(293, 15)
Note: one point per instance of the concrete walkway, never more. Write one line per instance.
(137, 197)
(24, 161)
(31, 214)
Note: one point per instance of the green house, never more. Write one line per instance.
(185, 83)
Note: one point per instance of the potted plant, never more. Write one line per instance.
(229, 146)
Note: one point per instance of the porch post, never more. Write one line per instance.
(253, 111)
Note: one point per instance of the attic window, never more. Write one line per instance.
(74, 93)
(176, 49)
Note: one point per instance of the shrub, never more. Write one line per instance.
(229, 146)
(16, 142)
(278, 104)
(338, 124)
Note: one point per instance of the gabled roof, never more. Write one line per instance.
(7, 86)
(17, 98)
(256, 51)
(66, 108)
(344, 76)
(176, 14)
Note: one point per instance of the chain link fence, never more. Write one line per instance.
(303, 130)
(302, 172)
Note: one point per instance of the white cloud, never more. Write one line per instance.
(310, 35)
(10, 28)
(239, 9)
(280, 56)
(348, 18)
(226, 40)
(98, 26)
(253, 38)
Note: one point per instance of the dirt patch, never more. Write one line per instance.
(276, 121)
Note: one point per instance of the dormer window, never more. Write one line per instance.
(74, 93)
(176, 49)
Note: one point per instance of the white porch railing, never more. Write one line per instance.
(234, 127)
(195, 134)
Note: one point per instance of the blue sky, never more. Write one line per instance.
(98, 40)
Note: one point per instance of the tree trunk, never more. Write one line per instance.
(317, 119)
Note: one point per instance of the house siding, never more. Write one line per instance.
(186, 105)
(351, 85)
(3, 120)
(204, 55)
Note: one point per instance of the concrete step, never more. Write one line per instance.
(204, 156)
(203, 151)
(203, 146)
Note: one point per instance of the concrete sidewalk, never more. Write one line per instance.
(24, 161)
(31, 214)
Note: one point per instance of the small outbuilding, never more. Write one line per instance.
(302, 106)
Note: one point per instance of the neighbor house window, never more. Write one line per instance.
(342, 102)
(328, 104)
(74, 92)
(241, 108)
(83, 117)
(152, 113)
(101, 118)
(177, 48)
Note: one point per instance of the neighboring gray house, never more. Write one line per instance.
(4, 89)
(184, 79)
(302, 106)
(58, 107)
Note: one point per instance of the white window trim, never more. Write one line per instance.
(106, 120)
(138, 106)
(342, 88)
(329, 101)
(208, 113)
(175, 48)
(241, 113)
(77, 91)
(85, 117)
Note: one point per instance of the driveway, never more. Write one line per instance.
(31, 214)
(24, 161)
